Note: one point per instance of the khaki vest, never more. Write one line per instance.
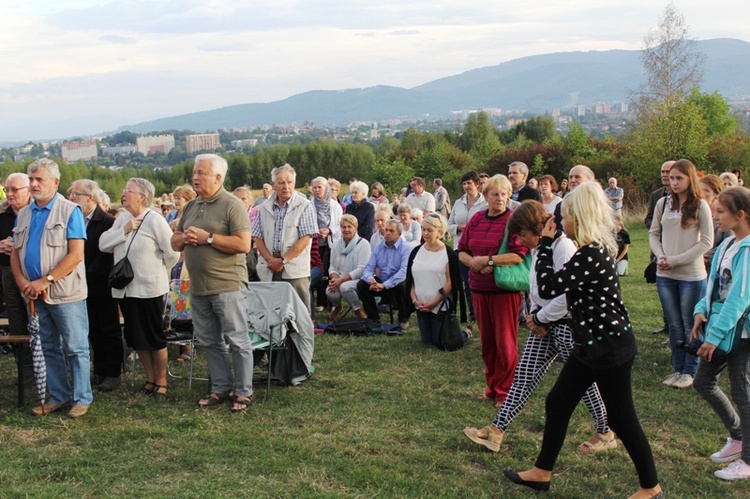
(298, 267)
(54, 243)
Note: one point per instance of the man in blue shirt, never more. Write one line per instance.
(48, 265)
(614, 195)
(385, 273)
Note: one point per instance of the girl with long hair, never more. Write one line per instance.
(716, 319)
(681, 232)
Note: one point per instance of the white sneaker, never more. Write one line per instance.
(669, 380)
(684, 381)
(731, 451)
(738, 470)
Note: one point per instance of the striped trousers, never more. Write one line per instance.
(538, 355)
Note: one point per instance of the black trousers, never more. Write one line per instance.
(105, 335)
(615, 386)
(18, 316)
(322, 299)
(397, 294)
(15, 306)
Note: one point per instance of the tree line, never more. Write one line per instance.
(700, 127)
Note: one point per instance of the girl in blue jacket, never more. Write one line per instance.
(720, 314)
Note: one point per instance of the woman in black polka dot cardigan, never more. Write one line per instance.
(604, 343)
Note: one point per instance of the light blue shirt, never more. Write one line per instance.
(391, 260)
(172, 215)
(76, 230)
(616, 192)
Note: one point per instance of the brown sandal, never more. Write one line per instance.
(336, 313)
(145, 390)
(184, 357)
(158, 394)
(214, 399)
(241, 403)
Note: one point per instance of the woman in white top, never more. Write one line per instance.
(463, 209)
(142, 300)
(431, 275)
(547, 188)
(348, 258)
(681, 232)
(412, 231)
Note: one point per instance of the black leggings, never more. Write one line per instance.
(616, 390)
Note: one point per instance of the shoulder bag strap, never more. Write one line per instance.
(447, 300)
(135, 233)
(504, 245)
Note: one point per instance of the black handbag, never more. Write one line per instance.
(449, 337)
(650, 272)
(122, 272)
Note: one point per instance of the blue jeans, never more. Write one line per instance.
(678, 299)
(64, 331)
(428, 327)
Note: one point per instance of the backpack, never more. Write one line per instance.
(354, 327)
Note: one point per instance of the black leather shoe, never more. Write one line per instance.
(512, 475)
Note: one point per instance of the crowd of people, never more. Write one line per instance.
(362, 252)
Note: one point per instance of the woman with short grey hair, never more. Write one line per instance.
(145, 238)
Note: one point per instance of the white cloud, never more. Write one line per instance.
(143, 59)
(126, 40)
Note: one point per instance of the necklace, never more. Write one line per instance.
(437, 247)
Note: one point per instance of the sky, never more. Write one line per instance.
(76, 67)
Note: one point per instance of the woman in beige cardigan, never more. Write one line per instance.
(145, 237)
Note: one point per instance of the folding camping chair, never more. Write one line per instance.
(280, 322)
(180, 328)
(269, 345)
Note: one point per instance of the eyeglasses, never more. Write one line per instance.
(13, 190)
(76, 194)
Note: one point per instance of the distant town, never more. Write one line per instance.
(167, 148)
(164, 149)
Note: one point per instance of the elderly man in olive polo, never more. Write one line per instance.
(48, 264)
(214, 233)
(282, 233)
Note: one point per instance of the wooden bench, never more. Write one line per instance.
(19, 342)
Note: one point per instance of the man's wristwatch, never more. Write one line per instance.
(283, 260)
(50, 279)
(210, 239)
(490, 262)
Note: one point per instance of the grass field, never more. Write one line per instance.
(381, 417)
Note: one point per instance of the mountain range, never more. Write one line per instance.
(535, 84)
